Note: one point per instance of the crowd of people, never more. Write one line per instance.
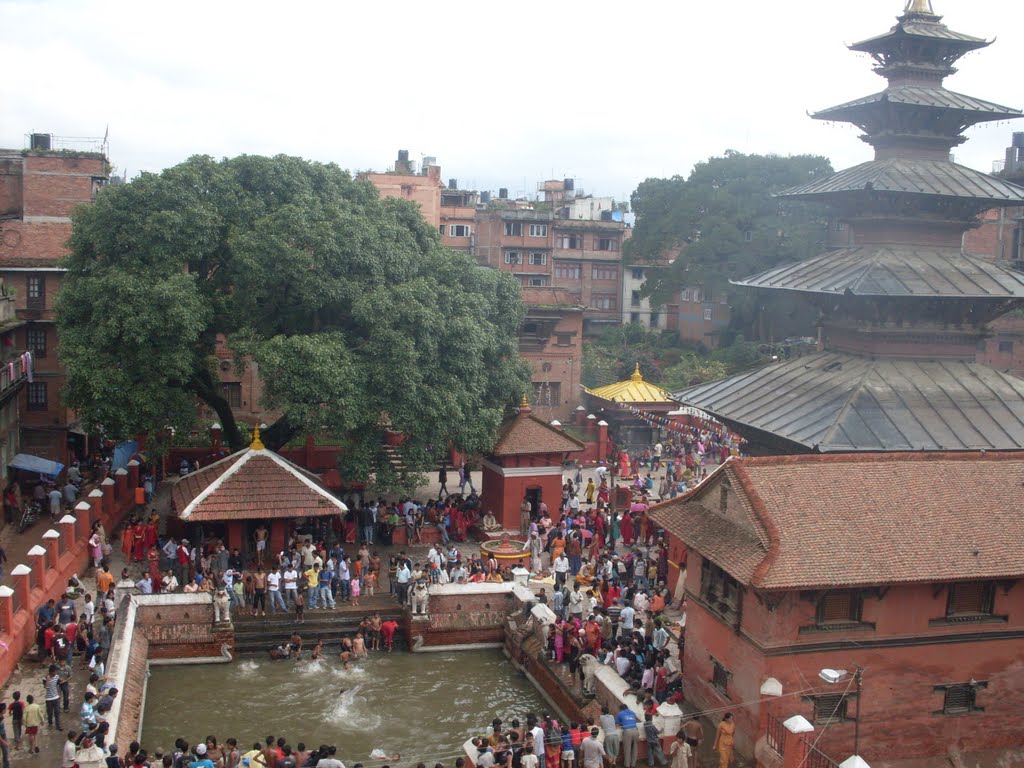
(609, 596)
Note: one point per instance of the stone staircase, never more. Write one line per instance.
(258, 634)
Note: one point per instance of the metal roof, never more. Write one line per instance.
(918, 28)
(838, 402)
(927, 177)
(910, 271)
(922, 96)
(633, 390)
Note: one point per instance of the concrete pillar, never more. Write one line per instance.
(84, 514)
(6, 609)
(37, 556)
(134, 481)
(796, 744)
(67, 526)
(580, 416)
(121, 486)
(21, 574)
(109, 502)
(51, 540)
(98, 504)
(602, 440)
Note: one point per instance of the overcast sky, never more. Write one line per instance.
(502, 94)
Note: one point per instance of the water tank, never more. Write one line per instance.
(41, 141)
(503, 193)
(485, 197)
(403, 155)
(453, 183)
(1018, 139)
(569, 184)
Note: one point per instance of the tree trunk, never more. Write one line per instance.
(279, 433)
(203, 385)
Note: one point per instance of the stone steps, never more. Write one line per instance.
(259, 634)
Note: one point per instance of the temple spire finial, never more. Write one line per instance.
(257, 443)
(637, 376)
(919, 6)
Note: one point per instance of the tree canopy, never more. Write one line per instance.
(357, 319)
(722, 223)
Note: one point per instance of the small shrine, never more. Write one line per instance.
(525, 463)
(253, 488)
(632, 409)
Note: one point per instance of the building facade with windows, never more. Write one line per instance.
(39, 188)
(890, 563)
(551, 342)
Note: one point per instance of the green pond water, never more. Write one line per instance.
(422, 705)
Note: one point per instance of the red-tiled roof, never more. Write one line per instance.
(853, 520)
(525, 433)
(250, 485)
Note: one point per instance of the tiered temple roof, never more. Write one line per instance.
(902, 306)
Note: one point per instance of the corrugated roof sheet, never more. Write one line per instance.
(633, 390)
(838, 402)
(920, 28)
(833, 520)
(918, 271)
(928, 177)
(922, 96)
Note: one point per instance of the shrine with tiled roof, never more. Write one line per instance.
(526, 462)
(232, 497)
(899, 300)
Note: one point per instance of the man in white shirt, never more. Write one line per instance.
(291, 585)
(626, 621)
(560, 569)
(330, 761)
(593, 750)
(575, 603)
(274, 591)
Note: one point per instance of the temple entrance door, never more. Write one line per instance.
(533, 493)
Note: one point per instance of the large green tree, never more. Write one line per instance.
(724, 223)
(358, 319)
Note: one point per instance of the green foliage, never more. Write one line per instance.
(693, 369)
(359, 320)
(724, 223)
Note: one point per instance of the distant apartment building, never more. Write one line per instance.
(550, 341)
(458, 217)
(999, 237)
(404, 183)
(39, 187)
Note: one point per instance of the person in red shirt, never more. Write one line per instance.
(48, 635)
(387, 633)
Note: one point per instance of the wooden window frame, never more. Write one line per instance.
(34, 403)
(969, 693)
(37, 352)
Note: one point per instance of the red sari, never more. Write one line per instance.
(626, 529)
(127, 541)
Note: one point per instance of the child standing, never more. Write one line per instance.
(300, 607)
(371, 581)
(354, 588)
(33, 720)
(17, 710)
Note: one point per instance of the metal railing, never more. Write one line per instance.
(818, 759)
(776, 735)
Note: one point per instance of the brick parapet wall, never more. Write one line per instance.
(17, 633)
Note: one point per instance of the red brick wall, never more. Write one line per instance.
(904, 658)
(54, 184)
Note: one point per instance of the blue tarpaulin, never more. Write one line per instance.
(35, 464)
(123, 453)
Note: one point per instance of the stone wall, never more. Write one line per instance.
(462, 614)
(170, 627)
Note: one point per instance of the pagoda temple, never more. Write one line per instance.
(902, 306)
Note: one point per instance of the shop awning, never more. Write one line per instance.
(36, 464)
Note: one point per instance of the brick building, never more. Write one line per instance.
(39, 188)
(422, 188)
(550, 340)
(458, 217)
(801, 563)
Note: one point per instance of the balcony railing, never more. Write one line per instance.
(8, 381)
(776, 735)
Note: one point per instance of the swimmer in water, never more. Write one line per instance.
(318, 649)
